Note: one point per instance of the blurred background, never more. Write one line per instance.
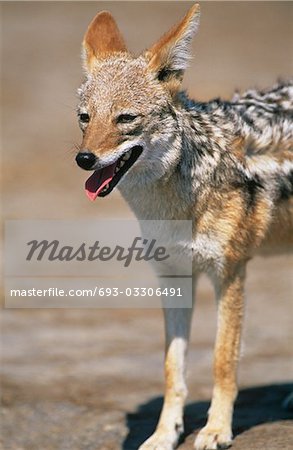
(89, 379)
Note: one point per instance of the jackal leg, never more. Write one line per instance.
(170, 426)
(218, 431)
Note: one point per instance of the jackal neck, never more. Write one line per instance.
(198, 160)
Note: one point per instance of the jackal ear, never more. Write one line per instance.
(169, 56)
(102, 38)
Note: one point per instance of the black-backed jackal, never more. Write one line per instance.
(227, 166)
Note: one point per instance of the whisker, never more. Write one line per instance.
(73, 150)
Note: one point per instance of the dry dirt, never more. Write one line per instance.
(93, 379)
(79, 379)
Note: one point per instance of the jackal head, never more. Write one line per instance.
(127, 108)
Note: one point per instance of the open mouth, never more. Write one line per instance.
(103, 181)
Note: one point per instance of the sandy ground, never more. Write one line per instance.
(93, 379)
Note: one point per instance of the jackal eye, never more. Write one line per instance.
(125, 118)
(84, 117)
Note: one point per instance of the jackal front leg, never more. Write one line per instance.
(217, 434)
(170, 426)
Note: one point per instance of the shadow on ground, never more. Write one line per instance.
(254, 406)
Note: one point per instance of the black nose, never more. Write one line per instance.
(85, 160)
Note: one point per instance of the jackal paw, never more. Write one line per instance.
(161, 441)
(213, 439)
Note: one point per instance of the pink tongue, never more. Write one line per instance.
(98, 180)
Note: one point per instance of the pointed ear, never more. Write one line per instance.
(169, 57)
(102, 38)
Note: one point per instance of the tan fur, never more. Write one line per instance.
(102, 38)
(279, 236)
(101, 138)
(159, 53)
